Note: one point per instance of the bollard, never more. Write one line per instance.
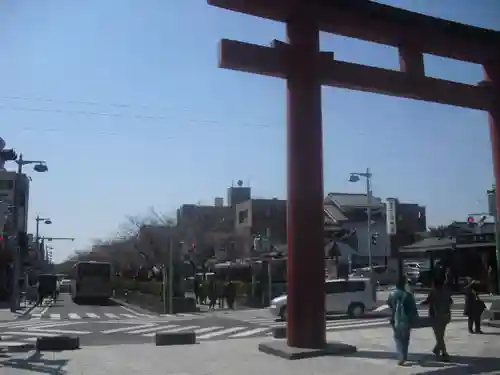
(279, 332)
(175, 338)
(57, 343)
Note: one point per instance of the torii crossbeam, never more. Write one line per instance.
(306, 69)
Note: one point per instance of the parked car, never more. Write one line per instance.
(353, 296)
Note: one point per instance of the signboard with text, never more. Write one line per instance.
(391, 216)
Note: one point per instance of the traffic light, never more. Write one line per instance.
(374, 238)
(470, 222)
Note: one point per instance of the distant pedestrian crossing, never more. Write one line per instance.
(105, 315)
(263, 318)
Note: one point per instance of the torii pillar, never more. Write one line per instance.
(305, 217)
(492, 80)
(304, 67)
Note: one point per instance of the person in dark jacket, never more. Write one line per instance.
(474, 307)
(439, 301)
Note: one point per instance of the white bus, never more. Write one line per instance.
(91, 280)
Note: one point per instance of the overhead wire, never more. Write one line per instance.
(115, 114)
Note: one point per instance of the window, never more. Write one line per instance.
(94, 269)
(242, 216)
(356, 286)
(6, 184)
(337, 287)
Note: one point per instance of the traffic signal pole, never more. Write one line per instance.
(16, 262)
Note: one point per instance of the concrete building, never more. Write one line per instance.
(261, 223)
(7, 188)
(349, 211)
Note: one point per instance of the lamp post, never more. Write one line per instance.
(355, 177)
(39, 166)
(38, 219)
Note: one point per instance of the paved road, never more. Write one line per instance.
(470, 354)
(116, 324)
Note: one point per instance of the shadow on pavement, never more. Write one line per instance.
(36, 363)
(91, 302)
(458, 365)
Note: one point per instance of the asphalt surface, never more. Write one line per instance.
(114, 324)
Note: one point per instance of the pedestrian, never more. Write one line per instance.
(473, 308)
(491, 280)
(212, 295)
(220, 293)
(230, 294)
(403, 316)
(439, 301)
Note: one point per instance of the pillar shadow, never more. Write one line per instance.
(458, 365)
(36, 363)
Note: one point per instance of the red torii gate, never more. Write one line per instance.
(306, 68)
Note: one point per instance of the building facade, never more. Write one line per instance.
(8, 180)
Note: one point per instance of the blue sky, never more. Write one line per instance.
(125, 102)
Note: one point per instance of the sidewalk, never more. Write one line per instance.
(6, 314)
(471, 354)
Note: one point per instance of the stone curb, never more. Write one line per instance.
(57, 343)
(175, 338)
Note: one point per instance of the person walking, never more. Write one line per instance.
(439, 301)
(473, 308)
(403, 316)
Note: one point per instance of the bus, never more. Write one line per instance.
(91, 281)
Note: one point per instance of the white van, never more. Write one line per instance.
(353, 296)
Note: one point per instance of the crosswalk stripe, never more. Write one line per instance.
(207, 329)
(250, 332)
(152, 329)
(180, 329)
(125, 329)
(129, 316)
(55, 316)
(92, 315)
(74, 316)
(61, 331)
(39, 334)
(220, 333)
(112, 316)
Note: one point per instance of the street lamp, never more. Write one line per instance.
(355, 177)
(38, 219)
(39, 166)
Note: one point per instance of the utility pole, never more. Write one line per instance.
(494, 212)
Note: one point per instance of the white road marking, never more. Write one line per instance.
(92, 315)
(154, 329)
(74, 316)
(129, 316)
(39, 334)
(220, 333)
(250, 332)
(124, 329)
(134, 312)
(45, 325)
(113, 316)
(207, 329)
(60, 331)
(55, 316)
(180, 329)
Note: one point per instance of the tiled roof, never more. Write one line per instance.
(334, 213)
(348, 200)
